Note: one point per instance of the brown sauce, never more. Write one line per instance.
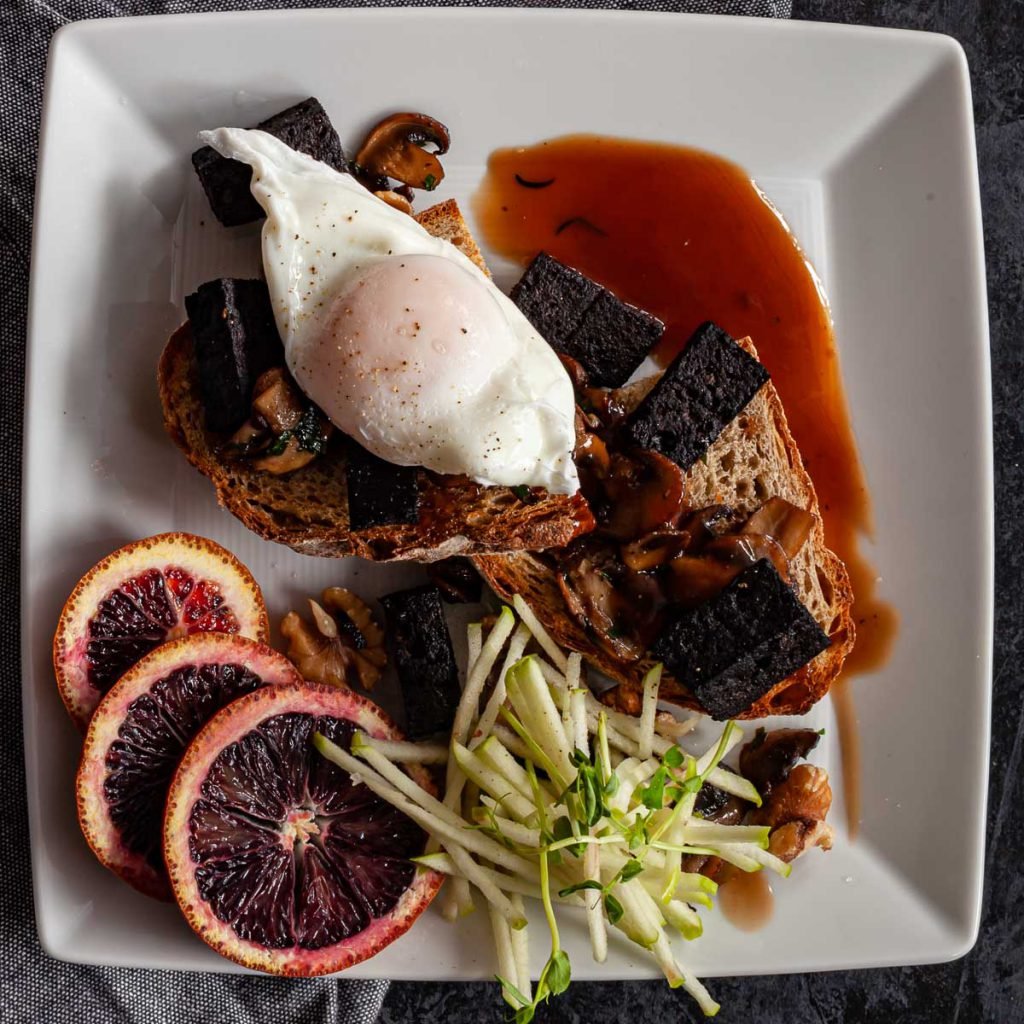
(849, 746)
(688, 236)
(745, 898)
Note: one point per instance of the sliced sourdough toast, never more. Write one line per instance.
(753, 459)
(308, 509)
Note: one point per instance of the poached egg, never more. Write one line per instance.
(397, 336)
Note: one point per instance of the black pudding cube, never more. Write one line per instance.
(733, 649)
(612, 340)
(423, 656)
(703, 390)
(226, 184)
(379, 492)
(305, 127)
(606, 336)
(554, 298)
(235, 339)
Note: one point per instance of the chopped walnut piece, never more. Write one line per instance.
(796, 810)
(343, 647)
(788, 841)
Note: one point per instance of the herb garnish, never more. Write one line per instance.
(556, 975)
(612, 906)
(280, 442)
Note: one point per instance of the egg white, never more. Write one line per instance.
(424, 360)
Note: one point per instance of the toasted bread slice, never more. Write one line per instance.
(445, 221)
(753, 459)
(308, 509)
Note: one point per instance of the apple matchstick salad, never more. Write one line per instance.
(299, 832)
(551, 796)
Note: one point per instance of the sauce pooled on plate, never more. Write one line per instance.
(689, 237)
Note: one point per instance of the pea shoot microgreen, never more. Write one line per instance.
(556, 974)
(613, 908)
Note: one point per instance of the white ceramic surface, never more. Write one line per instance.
(863, 137)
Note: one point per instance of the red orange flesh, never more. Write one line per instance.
(137, 737)
(138, 597)
(297, 869)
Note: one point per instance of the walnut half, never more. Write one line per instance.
(343, 647)
(796, 810)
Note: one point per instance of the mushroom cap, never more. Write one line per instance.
(395, 149)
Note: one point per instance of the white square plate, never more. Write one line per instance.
(865, 139)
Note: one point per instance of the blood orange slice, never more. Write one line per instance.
(170, 585)
(137, 737)
(279, 860)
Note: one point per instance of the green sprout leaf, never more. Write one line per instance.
(652, 795)
(630, 869)
(636, 835)
(586, 794)
(591, 797)
(692, 785)
(613, 908)
(590, 883)
(309, 432)
(559, 973)
(280, 443)
(512, 990)
(563, 829)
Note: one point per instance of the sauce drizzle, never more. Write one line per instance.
(688, 236)
(746, 898)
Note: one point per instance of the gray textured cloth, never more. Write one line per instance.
(34, 987)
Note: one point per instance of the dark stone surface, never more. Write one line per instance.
(987, 985)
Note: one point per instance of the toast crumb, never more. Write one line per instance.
(445, 220)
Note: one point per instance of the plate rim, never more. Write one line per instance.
(79, 33)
